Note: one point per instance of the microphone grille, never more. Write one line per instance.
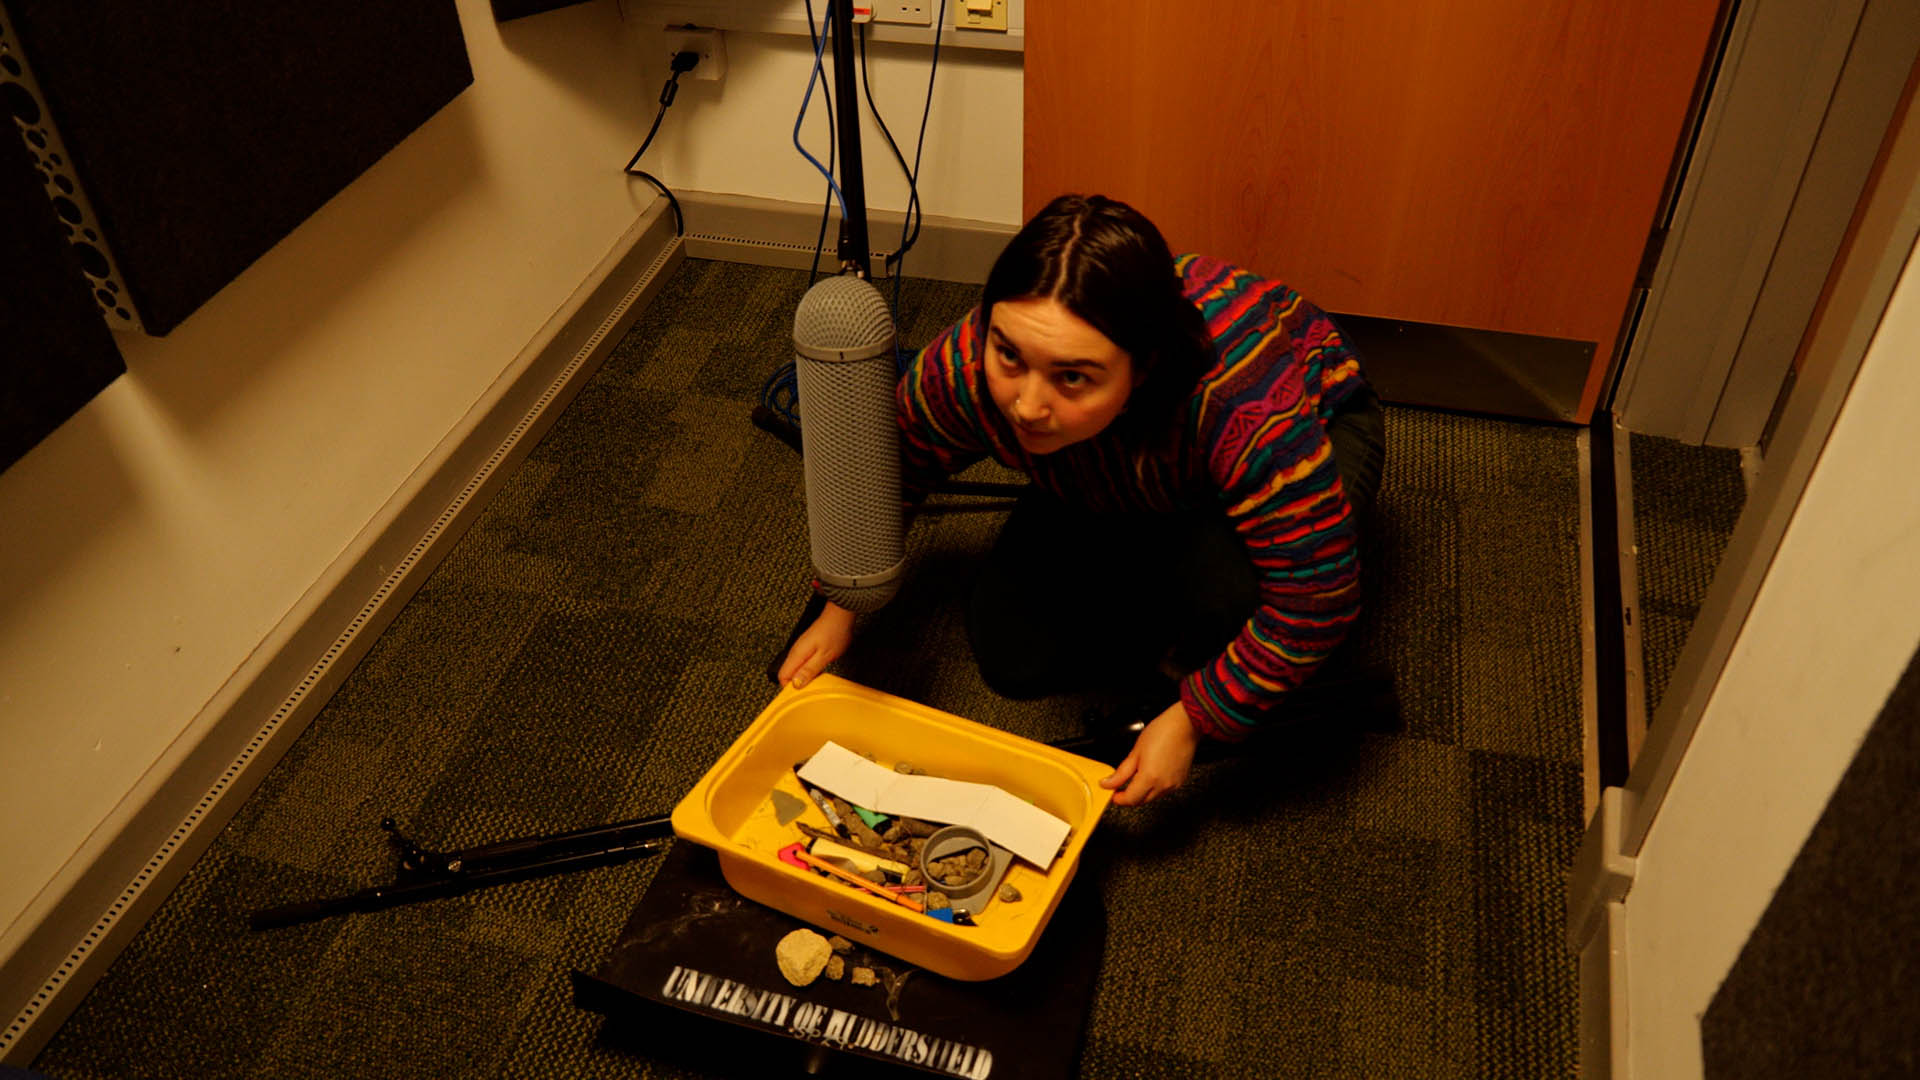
(851, 452)
(843, 312)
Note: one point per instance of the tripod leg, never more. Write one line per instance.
(777, 426)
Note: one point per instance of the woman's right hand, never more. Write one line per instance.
(817, 646)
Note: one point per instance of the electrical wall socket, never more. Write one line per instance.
(711, 45)
(904, 12)
(973, 15)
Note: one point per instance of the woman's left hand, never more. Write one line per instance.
(1160, 759)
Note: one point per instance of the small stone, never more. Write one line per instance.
(1010, 894)
(912, 877)
(863, 834)
(836, 968)
(839, 944)
(936, 900)
(875, 875)
(955, 869)
(863, 976)
(786, 807)
(916, 827)
(802, 956)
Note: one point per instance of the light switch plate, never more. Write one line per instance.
(965, 18)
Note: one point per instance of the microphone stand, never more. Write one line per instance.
(856, 257)
(855, 252)
(431, 875)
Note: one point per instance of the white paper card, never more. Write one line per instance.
(1013, 823)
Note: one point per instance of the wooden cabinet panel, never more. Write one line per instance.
(1493, 164)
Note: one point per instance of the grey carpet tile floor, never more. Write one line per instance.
(1686, 500)
(1361, 897)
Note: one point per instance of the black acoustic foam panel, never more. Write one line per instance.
(55, 351)
(1828, 985)
(203, 131)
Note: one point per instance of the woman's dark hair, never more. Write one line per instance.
(1105, 262)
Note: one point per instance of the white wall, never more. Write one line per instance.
(155, 540)
(1831, 629)
(716, 136)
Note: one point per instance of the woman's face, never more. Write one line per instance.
(1056, 379)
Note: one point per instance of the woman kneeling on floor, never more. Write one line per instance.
(1202, 448)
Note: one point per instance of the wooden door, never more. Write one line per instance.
(1492, 164)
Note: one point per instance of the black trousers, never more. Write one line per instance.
(1071, 600)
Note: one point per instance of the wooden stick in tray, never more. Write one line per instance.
(854, 879)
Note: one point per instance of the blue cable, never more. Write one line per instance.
(781, 390)
(819, 49)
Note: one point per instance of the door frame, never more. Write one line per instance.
(1879, 245)
(1803, 93)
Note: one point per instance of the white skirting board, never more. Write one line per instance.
(1597, 886)
(775, 232)
(1603, 998)
(75, 927)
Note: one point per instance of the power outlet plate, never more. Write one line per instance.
(966, 18)
(904, 12)
(711, 45)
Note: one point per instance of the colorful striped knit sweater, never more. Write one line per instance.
(1254, 445)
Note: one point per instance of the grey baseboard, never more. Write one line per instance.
(1603, 999)
(1519, 376)
(79, 922)
(1597, 887)
(774, 232)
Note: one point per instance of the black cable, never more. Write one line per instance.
(913, 181)
(679, 222)
(913, 192)
(683, 62)
(648, 141)
(910, 224)
(895, 263)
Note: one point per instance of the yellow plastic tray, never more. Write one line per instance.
(731, 811)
